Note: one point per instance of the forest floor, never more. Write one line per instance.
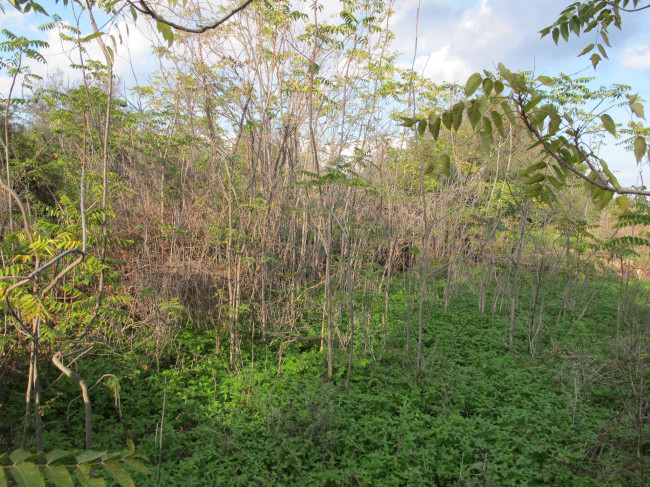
(479, 413)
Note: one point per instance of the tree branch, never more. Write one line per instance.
(622, 9)
(21, 206)
(144, 8)
(570, 167)
(57, 359)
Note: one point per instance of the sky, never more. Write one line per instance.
(454, 39)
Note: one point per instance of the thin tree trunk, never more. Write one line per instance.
(517, 276)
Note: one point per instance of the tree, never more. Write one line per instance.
(505, 95)
(51, 252)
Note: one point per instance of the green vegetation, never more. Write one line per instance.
(291, 262)
(478, 413)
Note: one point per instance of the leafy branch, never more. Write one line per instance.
(585, 16)
(27, 471)
(509, 97)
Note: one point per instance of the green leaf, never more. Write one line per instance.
(603, 198)
(532, 103)
(603, 34)
(166, 32)
(567, 155)
(59, 476)
(586, 50)
(422, 126)
(472, 84)
(533, 191)
(623, 202)
(483, 104)
(117, 472)
(89, 456)
(82, 472)
(408, 122)
(564, 30)
(19, 455)
(485, 136)
(556, 35)
(434, 127)
(498, 122)
(637, 108)
(554, 182)
(554, 124)
(487, 126)
(27, 474)
(545, 198)
(608, 123)
(474, 114)
(537, 178)
(90, 37)
(507, 110)
(518, 83)
(57, 454)
(595, 59)
(446, 165)
(428, 167)
(631, 219)
(130, 448)
(503, 71)
(488, 84)
(546, 80)
(3, 477)
(457, 114)
(640, 148)
(139, 466)
(447, 119)
(537, 118)
(498, 87)
(532, 168)
(561, 172)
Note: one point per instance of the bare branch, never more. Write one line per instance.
(57, 360)
(21, 206)
(49, 263)
(144, 8)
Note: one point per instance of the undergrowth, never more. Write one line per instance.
(480, 413)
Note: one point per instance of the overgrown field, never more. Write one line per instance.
(479, 413)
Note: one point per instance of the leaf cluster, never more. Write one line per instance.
(89, 467)
(558, 138)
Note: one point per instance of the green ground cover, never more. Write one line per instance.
(480, 413)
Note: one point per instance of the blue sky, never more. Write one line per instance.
(455, 39)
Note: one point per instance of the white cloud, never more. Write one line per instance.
(132, 54)
(454, 41)
(482, 28)
(481, 33)
(11, 17)
(440, 66)
(637, 56)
